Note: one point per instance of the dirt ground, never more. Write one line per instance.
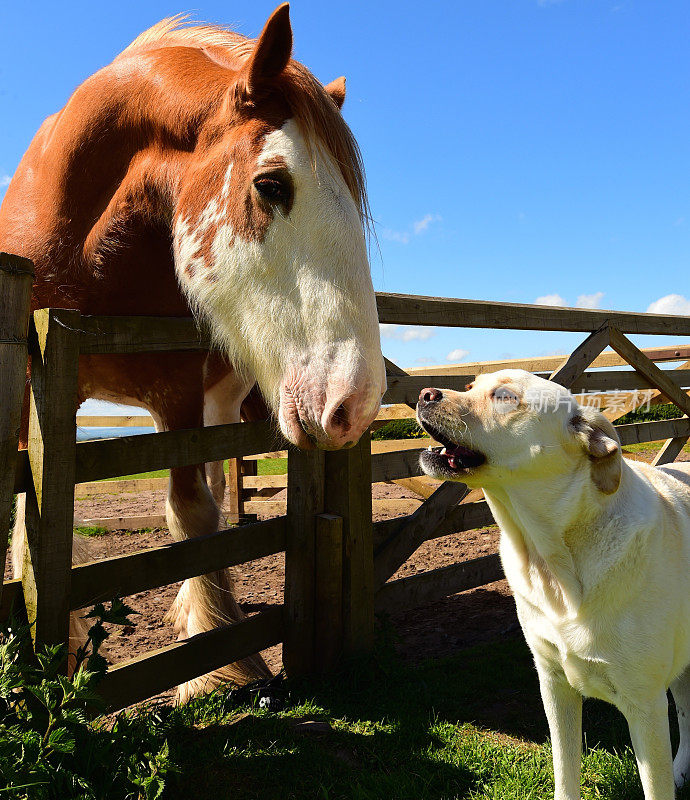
(434, 630)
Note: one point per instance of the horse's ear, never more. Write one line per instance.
(336, 90)
(272, 52)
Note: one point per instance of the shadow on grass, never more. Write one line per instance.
(266, 758)
(401, 731)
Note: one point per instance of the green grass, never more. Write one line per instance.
(648, 447)
(155, 473)
(89, 532)
(272, 466)
(470, 726)
(266, 466)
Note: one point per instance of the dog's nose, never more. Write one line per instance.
(430, 395)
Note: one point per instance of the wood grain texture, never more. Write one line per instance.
(660, 379)
(428, 587)
(401, 309)
(305, 500)
(424, 486)
(12, 600)
(50, 500)
(582, 356)
(120, 576)
(670, 451)
(328, 592)
(396, 464)
(348, 476)
(140, 334)
(404, 505)
(405, 538)
(264, 481)
(87, 421)
(147, 675)
(623, 380)
(406, 388)
(16, 280)
(136, 522)
(234, 490)
(109, 458)
(131, 485)
(608, 358)
(458, 518)
(639, 432)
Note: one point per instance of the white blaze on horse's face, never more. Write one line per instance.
(296, 306)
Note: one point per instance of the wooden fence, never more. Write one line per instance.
(338, 564)
(251, 494)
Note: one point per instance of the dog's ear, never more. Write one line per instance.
(600, 441)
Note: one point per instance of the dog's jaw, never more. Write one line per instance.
(450, 461)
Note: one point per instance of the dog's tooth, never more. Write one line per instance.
(443, 452)
(430, 449)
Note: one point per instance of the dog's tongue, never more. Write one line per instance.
(456, 453)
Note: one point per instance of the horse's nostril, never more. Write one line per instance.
(340, 417)
(430, 395)
(339, 421)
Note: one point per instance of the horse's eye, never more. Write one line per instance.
(273, 189)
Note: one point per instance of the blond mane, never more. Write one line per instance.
(313, 109)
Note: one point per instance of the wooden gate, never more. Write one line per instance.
(338, 564)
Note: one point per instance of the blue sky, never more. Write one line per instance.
(515, 149)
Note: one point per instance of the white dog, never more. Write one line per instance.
(597, 552)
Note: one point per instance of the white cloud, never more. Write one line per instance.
(550, 300)
(422, 224)
(5, 181)
(424, 360)
(670, 304)
(406, 333)
(396, 236)
(457, 355)
(418, 227)
(589, 300)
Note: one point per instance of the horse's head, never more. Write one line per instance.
(270, 245)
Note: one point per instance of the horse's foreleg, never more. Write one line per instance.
(206, 602)
(224, 391)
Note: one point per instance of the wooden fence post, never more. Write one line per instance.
(348, 494)
(235, 503)
(238, 470)
(305, 500)
(16, 280)
(54, 350)
(328, 592)
(249, 469)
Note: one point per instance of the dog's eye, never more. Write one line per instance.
(505, 399)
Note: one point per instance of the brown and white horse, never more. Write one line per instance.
(202, 172)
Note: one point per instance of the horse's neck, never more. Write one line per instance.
(92, 200)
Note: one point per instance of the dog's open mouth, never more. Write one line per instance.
(450, 459)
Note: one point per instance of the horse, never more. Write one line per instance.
(206, 174)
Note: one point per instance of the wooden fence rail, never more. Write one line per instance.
(338, 564)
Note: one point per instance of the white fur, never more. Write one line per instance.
(222, 404)
(297, 309)
(600, 579)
